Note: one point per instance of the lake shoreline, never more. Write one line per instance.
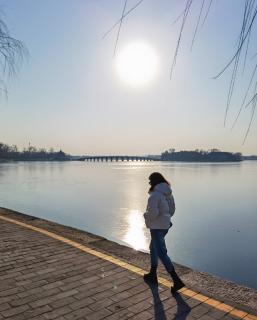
(236, 295)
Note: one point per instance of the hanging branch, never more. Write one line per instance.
(207, 12)
(12, 54)
(197, 25)
(254, 101)
(247, 16)
(236, 62)
(186, 12)
(249, 37)
(180, 16)
(121, 20)
(245, 96)
(239, 48)
(124, 16)
(12, 51)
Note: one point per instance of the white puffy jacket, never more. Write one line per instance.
(160, 207)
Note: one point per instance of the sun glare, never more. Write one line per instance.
(137, 64)
(135, 232)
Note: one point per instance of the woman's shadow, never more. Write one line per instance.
(183, 309)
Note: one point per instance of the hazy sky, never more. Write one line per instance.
(69, 96)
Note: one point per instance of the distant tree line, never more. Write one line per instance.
(213, 155)
(30, 154)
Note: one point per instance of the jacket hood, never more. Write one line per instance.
(163, 188)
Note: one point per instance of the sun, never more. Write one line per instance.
(137, 64)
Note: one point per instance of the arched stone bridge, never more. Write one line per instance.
(117, 158)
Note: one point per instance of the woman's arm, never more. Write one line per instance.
(152, 210)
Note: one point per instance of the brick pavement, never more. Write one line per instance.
(42, 278)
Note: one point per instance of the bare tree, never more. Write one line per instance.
(238, 60)
(12, 54)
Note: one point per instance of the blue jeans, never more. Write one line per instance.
(158, 249)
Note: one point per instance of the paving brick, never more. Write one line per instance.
(98, 315)
(144, 316)
(41, 317)
(29, 292)
(17, 317)
(159, 306)
(228, 317)
(41, 302)
(63, 302)
(216, 314)
(206, 317)
(77, 304)
(36, 312)
(121, 315)
(79, 276)
(8, 298)
(90, 279)
(57, 312)
(52, 285)
(20, 301)
(14, 311)
(95, 306)
(70, 286)
(141, 306)
(9, 292)
(199, 311)
(81, 313)
(4, 306)
(118, 297)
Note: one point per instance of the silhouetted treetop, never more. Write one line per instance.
(12, 53)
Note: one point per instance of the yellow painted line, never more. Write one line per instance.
(187, 292)
(224, 307)
(238, 313)
(212, 302)
(250, 317)
(201, 297)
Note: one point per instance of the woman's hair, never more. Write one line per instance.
(156, 178)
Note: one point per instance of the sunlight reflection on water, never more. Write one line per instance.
(135, 236)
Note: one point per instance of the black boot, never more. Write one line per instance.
(177, 282)
(151, 276)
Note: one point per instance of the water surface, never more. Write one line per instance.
(214, 227)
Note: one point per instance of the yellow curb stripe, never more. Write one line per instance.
(200, 297)
(224, 307)
(238, 313)
(212, 302)
(187, 292)
(190, 293)
(250, 317)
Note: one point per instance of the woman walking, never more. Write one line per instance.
(160, 209)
